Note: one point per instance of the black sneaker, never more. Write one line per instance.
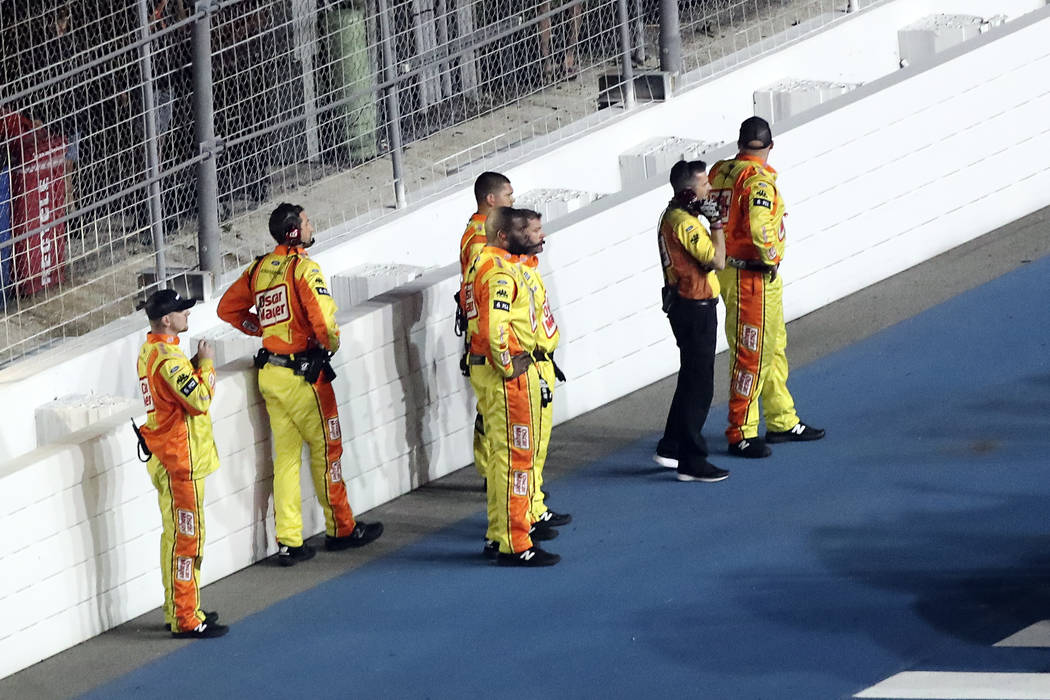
(209, 618)
(552, 519)
(491, 549)
(752, 448)
(203, 631)
(290, 556)
(362, 534)
(800, 433)
(707, 472)
(540, 532)
(530, 557)
(665, 460)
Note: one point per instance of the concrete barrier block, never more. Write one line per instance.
(935, 33)
(791, 96)
(65, 415)
(555, 202)
(364, 282)
(656, 156)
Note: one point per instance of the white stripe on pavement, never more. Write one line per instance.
(950, 685)
(1037, 635)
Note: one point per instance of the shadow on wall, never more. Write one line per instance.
(409, 350)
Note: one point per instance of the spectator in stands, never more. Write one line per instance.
(569, 67)
(692, 248)
(178, 392)
(752, 212)
(295, 315)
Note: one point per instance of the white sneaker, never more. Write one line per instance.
(669, 462)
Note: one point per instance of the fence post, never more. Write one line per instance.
(853, 5)
(393, 108)
(209, 250)
(639, 33)
(626, 69)
(149, 103)
(670, 38)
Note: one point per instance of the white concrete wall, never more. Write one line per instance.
(902, 171)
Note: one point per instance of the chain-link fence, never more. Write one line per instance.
(145, 138)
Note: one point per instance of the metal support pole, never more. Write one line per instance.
(670, 37)
(852, 5)
(625, 55)
(393, 108)
(639, 33)
(445, 67)
(149, 103)
(209, 250)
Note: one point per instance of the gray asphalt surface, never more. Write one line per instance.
(574, 444)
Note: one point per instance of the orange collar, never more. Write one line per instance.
(478, 216)
(757, 160)
(162, 338)
(283, 249)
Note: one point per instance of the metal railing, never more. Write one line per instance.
(145, 138)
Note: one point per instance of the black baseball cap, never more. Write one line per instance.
(164, 302)
(755, 133)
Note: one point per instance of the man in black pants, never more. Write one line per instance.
(692, 247)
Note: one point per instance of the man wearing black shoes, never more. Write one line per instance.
(752, 212)
(692, 247)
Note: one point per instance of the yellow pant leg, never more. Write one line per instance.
(484, 384)
(181, 546)
(317, 418)
(511, 413)
(278, 385)
(543, 439)
(777, 403)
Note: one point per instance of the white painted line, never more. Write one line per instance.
(949, 685)
(1037, 635)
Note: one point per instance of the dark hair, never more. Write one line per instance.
(755, 134)
(283, 220)
(683, 172)
(488, 183)
(530, 214)
(505, 219)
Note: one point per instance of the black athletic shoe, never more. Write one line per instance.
(530, 557)
(203, 631)
(752, 448)
(362, 534)
(707, 472)
(800, 433)
(209, 618)
(552, 519)
(540, 532)
(491, 549)
(665, 460)
(290, 556)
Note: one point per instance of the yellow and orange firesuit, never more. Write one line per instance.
(178, 433)
(470, 245)
(547, 337)
(502, 324)
(294, 313)
(753, 213)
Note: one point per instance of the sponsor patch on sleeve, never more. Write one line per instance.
(188, 388)
(504, 357)
(174, 370)
(335, 473)
(333, 428)
(771, 253)
(323, 291)
(762, 202)
(501, 305)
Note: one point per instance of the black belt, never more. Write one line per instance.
(541, 356)
(473, 359)
(282, 360)
(701, 303)
(749, 265)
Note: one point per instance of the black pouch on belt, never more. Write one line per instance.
(312, 363)
(260, 358)
(670, 296)
(461, 318)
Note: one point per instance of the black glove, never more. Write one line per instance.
(520, 363)
(546, 395)
(709, 209)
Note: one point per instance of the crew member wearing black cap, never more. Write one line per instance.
(177, 392)
(752, 213)
(692, 247)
